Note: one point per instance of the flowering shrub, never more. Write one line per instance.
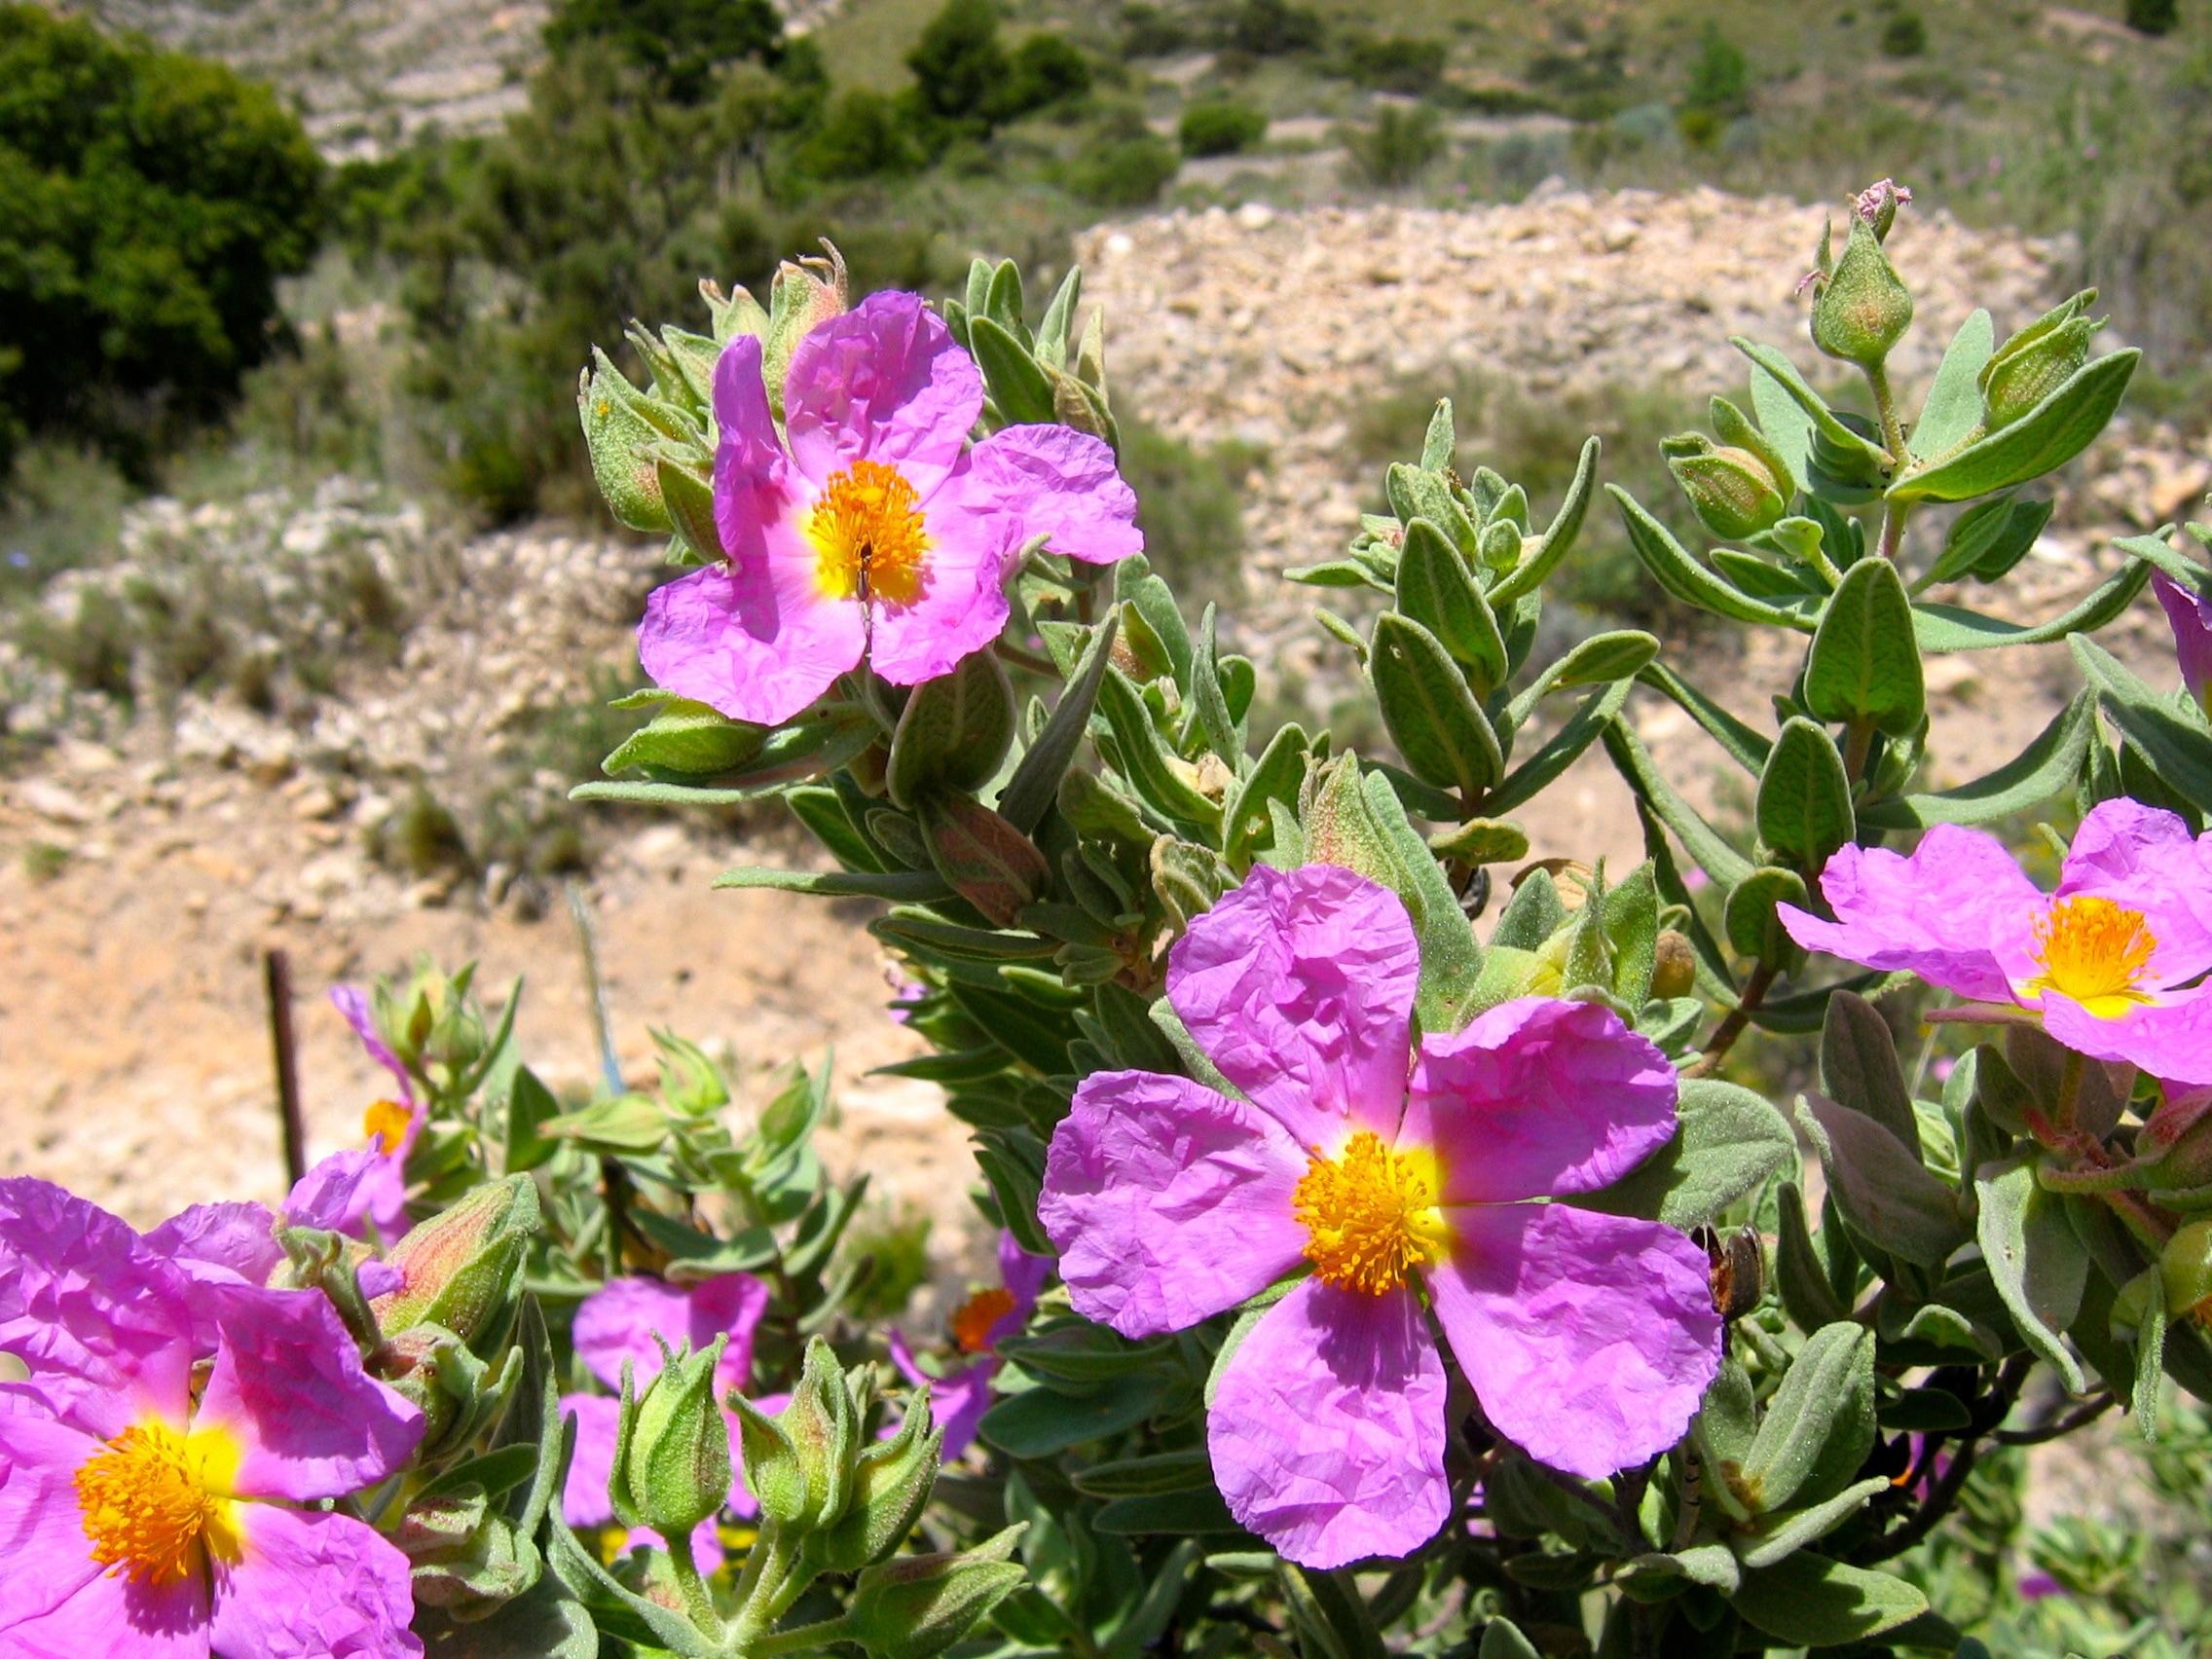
(1394, 1255)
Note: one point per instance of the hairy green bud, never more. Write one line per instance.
(890, 1487)
(1733, 492)
(676, 1463)
(913, 1606)
(2037, 360)
(460, 1269)
(2185, 1270)
(1863, 308)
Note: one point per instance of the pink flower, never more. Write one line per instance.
(2191, 614)
(142, 1518)
(618, 1322)
(364, 1187)
(960, 1397)
(2103, 959)
(1587, 1338)
(867, 527)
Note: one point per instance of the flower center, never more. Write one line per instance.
(972, 1325)
(386, 1124)
(1370, 1215)
(152, 1498)
(868, 534)
(2094, 951)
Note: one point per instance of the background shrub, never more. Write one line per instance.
(1392, 151)
(1905, 35)
(1221, 128)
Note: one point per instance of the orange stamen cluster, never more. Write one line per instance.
(971, 1324)
(385, 1124)
(2094, 951)
(1370, 1215)
(868, 535)
(152, 1500)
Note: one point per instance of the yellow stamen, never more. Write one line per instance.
(1370, 1215)
(2094, 951)
(387, 1123)
(868, 535)
(972, 1325)
(153, 1499)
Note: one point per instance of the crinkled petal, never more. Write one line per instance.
(962, 602)
(1060, 484)
(1024, 1276)
(1327, 1431)
(103, 1322)
(1589, 1339)
(1935, 912)
(583, 1496)
(885, 382)
(1300, 988)
(1167, 1202)
(1538, 1096)
(288, 1385)
(2171, 1036)
(756, 641)
(232, 1242)
(620, 1319)
(353, 1001)
(2146, 859)
(42, 1537)
(119, 1618)
(313, 1586)
(359, 1191)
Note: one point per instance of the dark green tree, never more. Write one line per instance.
(149, 203)
(679, 43)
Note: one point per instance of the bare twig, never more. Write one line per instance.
(277, 974)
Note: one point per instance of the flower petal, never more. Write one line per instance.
(1300, 987)
(119, 1618)
(353, 1001)
(1168, 1202)
(2147, 860)
(1060, 484)
(2191, 620)
(308, 1586)
(885, 382)
(1327, 1431)
(755, 640)
(234, 1242)
(2171, 1037)
(1024, 1276)
(1935, 912)
(288, 1385)
(583, 1496)
(1538, 1096)
(102, 1320)
(962, 604)
(41, 1536)
(352, 1191)
(958, 1399)
(1589, 1339)
(620, 1319)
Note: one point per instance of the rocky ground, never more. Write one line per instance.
(145, 868)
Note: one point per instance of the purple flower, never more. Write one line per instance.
(867, 527)
(618, 1322)
(2103, 959)
(960, 1397)
(142, 1517)
(364, 1187)
(1587, 1338)
(2191, 614)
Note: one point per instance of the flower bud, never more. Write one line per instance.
(1863, 309)
(674, 1463)
(623, 438)
(1499, 546)
(2185, 1270)
(913, 1606)
(1731, 490)
(2037, 360)
(2190, 616)
(459, 1269)
(890, 1487)
(803, 294)
(1878, 206)
(1673, 971)
(799, 1464)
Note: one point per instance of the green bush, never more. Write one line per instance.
(149, 202)
(1123, 166)
(1273, 28)
(1396, 147)
(2153, 17)
(1153, 31)
(863, 134)
(1044, 71)
(1395, 63)
(1905, 35)
(1222, 128)
(679, 43)
(1718, 89)
(1189, 505)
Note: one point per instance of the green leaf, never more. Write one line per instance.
(1812, 1601)
(1803, 807)
(1144, 759)
(1017, 385)
(1729, 1143)
(1879, 1185)
(987, 860)
(1744, 744)
(548, 1623)
(1823, 419)
(1503, 1639)
(1559, 536)
(2051, 763)
(1591, 720)
(953, 732)
(1799, 1275)
(1863, 664)
(1435, 590)
(1748, 914)
(1819, 1425)
(1450, 958)
(1197, 1513)
(1431, 714)
(905, 886)
(2178, 749)
(1275, 777)
(1040, 1422)
(1036, 782)
(1207, 704)
(2036, 1263)
(1684, 578)
(1707, 847)
(1988, 540)
(1153, 604)
(1860, 1069)
(806, 749)
(1600, 658)
(2043, 440)
(1953, 409)
(1134, 1477)
(1783, 1535)
(530, 1106)
(1954, 628)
